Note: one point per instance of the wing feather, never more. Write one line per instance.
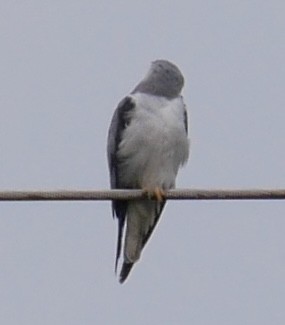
(120, 120)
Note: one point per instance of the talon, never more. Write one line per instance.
(157, 193)
(147, 192)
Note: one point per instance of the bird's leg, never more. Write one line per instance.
(157, 193)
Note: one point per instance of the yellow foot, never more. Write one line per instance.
(157, 193)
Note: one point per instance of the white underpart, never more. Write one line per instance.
(155, 143)
(153, 147)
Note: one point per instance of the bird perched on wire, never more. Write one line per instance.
(147, 143)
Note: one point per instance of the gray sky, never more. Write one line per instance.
(64, 66)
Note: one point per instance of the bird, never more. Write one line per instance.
(147, 144)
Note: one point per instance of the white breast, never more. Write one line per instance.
(154, 144)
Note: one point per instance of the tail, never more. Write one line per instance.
(126, 269)
(119, 241)
(142, 218)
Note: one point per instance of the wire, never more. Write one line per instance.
(178, 194)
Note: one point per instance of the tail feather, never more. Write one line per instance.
(126, 269)
(119, 210)
(143, 217)
(119, 242)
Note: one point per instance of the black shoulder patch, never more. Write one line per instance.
(120, 120)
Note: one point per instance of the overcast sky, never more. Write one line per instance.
(64, 66)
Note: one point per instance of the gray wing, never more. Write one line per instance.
(120, 120)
